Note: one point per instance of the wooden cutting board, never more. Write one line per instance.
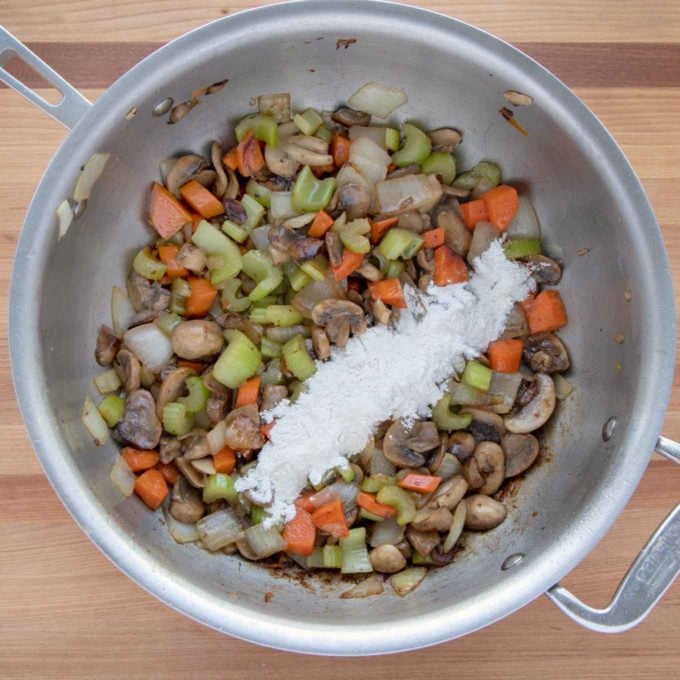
(66, 612)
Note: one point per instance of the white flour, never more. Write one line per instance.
(383, 374)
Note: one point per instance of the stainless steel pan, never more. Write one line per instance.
(587, 197)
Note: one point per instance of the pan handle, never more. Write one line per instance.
(648, 578)
(72, 106)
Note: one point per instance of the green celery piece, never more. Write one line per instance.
(419, 558)
(316, 268)
(442, 164)
(261, 269)
(254, 212)
(394, 269)
(108, 381)
(264, 128)
(445, 419)
(283, 315)
(324, 133)
(466, 180)
(166, 321)
(332, 557)
(374, 483)
(259, 192)
(214, 242)
(272, 375)
(257, 514)
(258, 315)
(176, 419)
(232, 299)
(238, 362)
(346, 472)
(401, 500)
(310, 194)
(353, 236)
(238, 232)
(398, 243)
(220, 487)
(269, 348)
(308, 122)
(365, 514)
(297, 358)
(484, 170)
(181, 287)
(198, 396)
(355, 558)
(391, 139)
(297, 277)
(176, 305)
(417, 147)
(315, 560)
(146, 265)
(477, 375)
(111, 409)
(521, 247)
(413, 247)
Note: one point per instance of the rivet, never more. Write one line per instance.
(608, 429)
(162, 107)
(512, 561)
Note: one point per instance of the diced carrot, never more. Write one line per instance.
(473, 212)
(331, 519)
(321, 224)
(379, 228)
(266, 428)
(167, 254)
(300, 534)
(224, 460)
(247, 392)
(230, 159)
(139, 460)
(203, 294)
(449, 267)
(195, 365)
(367, 502)
(546, 312)
(350, 262)
(249, 156)
(152, 488)
(501, 203)
(339, 149)
(169, 471)
(305, 503)
(201, 200)
(433, 238)
(166, 214)
(505, 355)
(391, 168)
(420, 483)
(389, 291)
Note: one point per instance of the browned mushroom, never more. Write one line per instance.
(545, 353)
(425, 259)
(338, 318)
(488, 462)
(483, 512)
(234, 211)
(243, 428)
(192, 258)
(305, 248)
(462, 445)
(320, 343)
(485, 426)
(221, 181)
(348, 117)
(140, 425)
(544, 269)
(456, 235)
(537, 411)
(195, 445)
(423, 541)
(128, 369)
(387, 559)
(106, 347)
(414, 221)
(445, 139)
(521, 450)
(145, 294)
(449, 493)
(186, 504)
(272, 395)
(404, 446)
(195, 477)
(441, 558)
(334, 248)
(432, 519)
(354, 199)
(169, 448)
(183, 170)
(172, 387)
(196, 339)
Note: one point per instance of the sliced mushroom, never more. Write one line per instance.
(334, 248)
(449, 493)
(516, 325)
(206, 177)
(272, 395)
(196, 339)
(169, 448)
(320, 343)
(172, 387)
(485, 426)
(195, 445)
(128, 369)
(423, 541)
(221, 181)
(246, 551)
(195, 477)
(462, 445)
(183, 170)
(348, 117)
(433, 519)
(424, 282)
(243, 428)
(445, 139)
(441, 558)
(305, 248)
(241, 323)
(353, 199)
(412, 169)
(544, 269)
(537, 411)
(233, 186)
(140, 425)
(414, 221)
(404, 446)
(205, 465)
(483, 512)
(186, 504)
(472, 473)
(234, 211)
(521, 450)
(528, 389)
(387, 559)
(278, 162)
(338, 318)
(106, 347)
(456, 234)
(192, 258)
(145, 294)
(545, 353)
(369, 272)
(490, 462)
(217, 407)
(425, 259)
(381, 312)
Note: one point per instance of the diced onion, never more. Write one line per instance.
(260, 237)
(180, 531)
(65, 215)
(369, 586)
(89, 175)
(122, 311)
(377, 99)
(94, 423)
(264, 542)
(370, 159)
(310, 143)
(150, 345)
(307, 157)
(387, 532)
(374, 133)
(505, 385)
(412, 192)
(123, 477)
(563, 387)
(219, 529)
(408, 580)
(483, 236)
(525, 224)
(281, 206)
(456, 527)
(299, 221)
(450, 466)
(216, 438)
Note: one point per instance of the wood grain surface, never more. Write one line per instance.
(66, 612)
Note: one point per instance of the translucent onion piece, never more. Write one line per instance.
(505, 385)
(387, 532)
(299, 221)
(369, 586)
(413, 192)
(65, 215)
(219, 530)
(150, 345)
(375, 134)
(94, 423)
(525, 224)
(89, 175)
(123, 477)
(456, 527)
(180, 531)
(483, 236)
(281, 206)
(260, 237)
(216, 438)
(370, 158)
(563, 387)
(377, 99)
(264, 542)
(408, 580)
(122, 311)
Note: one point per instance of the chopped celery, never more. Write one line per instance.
(297, 277)
(264, 542)
(236, 231)
(353, 236)
(266, 301)
(198, 396)
(176, 419)
(108, 381)
(261, 269)
(111, 409)
(264, 128)
(308, 122)
(442, 164)
(374, 483)
(324, 133)
(394, 269)
(296, 389)
(257, 514)
(269, 348)
(297, 358)
(416, 147)
(401, 500)
(346, 471)
(259, 192)
(219, 487)
(399, 243)
(391, 139)
(283, 315)
(315, 560)
(316, 268)
(232, 299)
(166, 321)
(238, 362)
(484, 170)
(181, 287)
(477, 375)
(254, 212)
(258, 315)
(272, 375)
(354, 553)
(214, 242)
(176, 305)
(310, 194)
(365, 514)
(146, 265)
(332, 556)
(445, 419)
(521, 247)
(419, 558)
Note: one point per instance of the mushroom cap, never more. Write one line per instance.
(404, 446)
(521, 450)
(545, 353)
(537, 411)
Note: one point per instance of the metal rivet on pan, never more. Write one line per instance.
(608, 429)
(512, 561)
(79, 208)
(162, 107)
